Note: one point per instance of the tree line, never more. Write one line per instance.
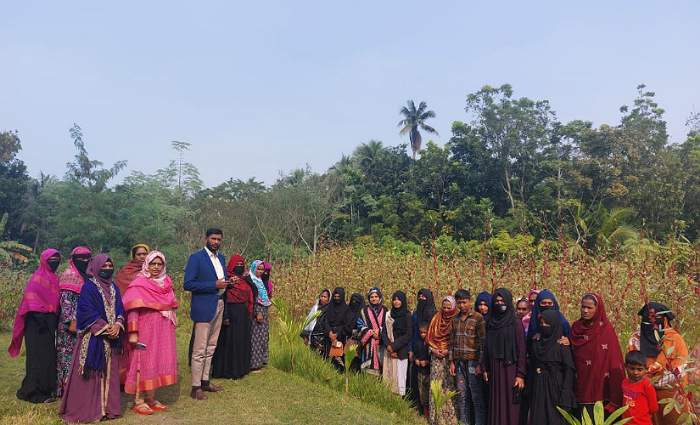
(509, 169)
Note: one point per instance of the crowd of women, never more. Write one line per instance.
(91, 334)
(510, 364)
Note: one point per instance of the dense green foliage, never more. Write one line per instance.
(509, 168)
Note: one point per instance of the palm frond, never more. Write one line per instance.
(428, 128)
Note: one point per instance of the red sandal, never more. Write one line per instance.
(142, 409)
(157, 406)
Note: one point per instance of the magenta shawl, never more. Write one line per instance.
(152, 292)
(71, 279)
(40, 295)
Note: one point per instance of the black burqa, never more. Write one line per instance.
(551, 374)
(39, 384)
(338, 320)
(652, 323)
(504, 359)
(425, 310)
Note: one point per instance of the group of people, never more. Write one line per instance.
(90, 333)
(509, 363)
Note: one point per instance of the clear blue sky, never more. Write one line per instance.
(266, 86)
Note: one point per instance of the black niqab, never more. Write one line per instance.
(425, 309)
(652, 316)
(548, 349)
(500, 328)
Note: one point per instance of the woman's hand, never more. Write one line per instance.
(226, 322)
(375, 334)
(73, 327)
(564, 341)
(113, 331)
(133, 337)
(333, 336)
(259, 317)
(519, 383)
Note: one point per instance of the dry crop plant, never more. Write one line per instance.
(625, 283)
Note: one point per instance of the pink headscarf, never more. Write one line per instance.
(526, 319)
(155, 293)
(71, 279)
(40, 295)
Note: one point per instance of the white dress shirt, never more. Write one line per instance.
(217, 266)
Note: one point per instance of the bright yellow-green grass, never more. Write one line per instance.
(268, 397)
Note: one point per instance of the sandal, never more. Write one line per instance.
(157, 406)
(142, 409)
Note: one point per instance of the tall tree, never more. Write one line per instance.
(89, 172)
(414, 120)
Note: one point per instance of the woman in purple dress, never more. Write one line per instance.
(92, 391)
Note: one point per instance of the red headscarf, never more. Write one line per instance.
(240, 292)
(131, 270)
(438, 336)
(40, 295)
(598, 357)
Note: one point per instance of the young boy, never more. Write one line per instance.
(421, 358)
(466, 342)
(638, 392)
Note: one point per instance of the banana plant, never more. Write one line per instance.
(598, 416)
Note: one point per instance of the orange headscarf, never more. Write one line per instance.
(438, 336)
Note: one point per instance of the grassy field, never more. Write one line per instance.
(269, 397)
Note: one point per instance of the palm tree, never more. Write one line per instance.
(413, 120)
(368, 153)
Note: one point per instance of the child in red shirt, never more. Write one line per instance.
(638, 392)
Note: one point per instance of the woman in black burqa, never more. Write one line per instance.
(337, 326)
(551, 373)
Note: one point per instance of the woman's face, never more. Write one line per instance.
(532, 298)
(422, 297)
(374, 298)
(446, 306)
(522, 308)
(155, 267)
(396, 302)
(260, 270)
(483, 307)
(324, 298)
(547, 303)
(108, 265)
(588, 309)
(140, 254)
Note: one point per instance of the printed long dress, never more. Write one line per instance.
(260, 335)
(65, 340)
(440, 371)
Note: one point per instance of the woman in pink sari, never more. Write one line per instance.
(150, 304)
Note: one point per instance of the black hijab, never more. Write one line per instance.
(547, 348)
(652, 323)
(500, 328)
(399, 314)
(337, 312)
(425, 309)
(357, 301)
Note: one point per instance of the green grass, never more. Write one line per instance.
(269, 397)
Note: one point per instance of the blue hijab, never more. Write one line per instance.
(484, 296)
(534, 327)
(262, 297)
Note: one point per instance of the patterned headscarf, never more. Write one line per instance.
(262, 297)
